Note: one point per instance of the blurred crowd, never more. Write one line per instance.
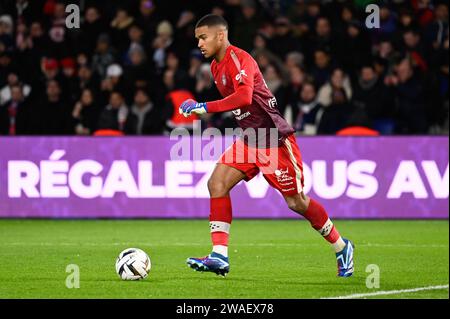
(131, 63)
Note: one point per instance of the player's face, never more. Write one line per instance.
(210, 39)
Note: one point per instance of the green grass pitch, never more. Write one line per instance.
(268, 259)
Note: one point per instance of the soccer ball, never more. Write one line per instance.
(133, 264)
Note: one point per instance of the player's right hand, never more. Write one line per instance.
(191, 106)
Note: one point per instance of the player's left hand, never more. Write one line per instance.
(191, 106)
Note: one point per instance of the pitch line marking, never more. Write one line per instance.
(388, 292)
(200, 244)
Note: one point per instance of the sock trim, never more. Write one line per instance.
(326, 228)
(218, 226)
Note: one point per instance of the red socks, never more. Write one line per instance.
(319, 220)
(219, 222)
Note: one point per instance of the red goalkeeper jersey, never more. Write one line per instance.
(246, 94)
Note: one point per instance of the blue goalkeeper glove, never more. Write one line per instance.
(191, 106)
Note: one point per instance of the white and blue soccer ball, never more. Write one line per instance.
(133, 264)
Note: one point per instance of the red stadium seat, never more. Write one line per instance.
(357, 131)
(107, 132)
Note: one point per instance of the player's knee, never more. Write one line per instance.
(302, 206)
(217, 187)
(297, 204)
(292, 203)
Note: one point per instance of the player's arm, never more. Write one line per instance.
(241, 97)
(243, 79)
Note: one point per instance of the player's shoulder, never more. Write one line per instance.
(241, 54)
(239, 59)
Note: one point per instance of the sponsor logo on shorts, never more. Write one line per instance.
(283, 177)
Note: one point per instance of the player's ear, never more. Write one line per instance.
(221, 34)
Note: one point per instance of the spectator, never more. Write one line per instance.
(15, 113)
(305, 19)
(324, 40)
(424, 11)
(6, 32)
(24, 10)
(161, 45)
(113, 80)
(31, 53)
(388, 22)
(321, 69)
(264, 57)
(283, 41)
(412, 45)
(138, 72)
(148, 19)
(114, 115)
(355, 40)
(69, 80)
(173, 63)
(6, 67)
(184, 39)
(293, 59)
(54, 113)
(307, 112)
(135, 39)
(205, 89)
(195, 62)
(297, 77)
(372, 97)
(6, 91)
(260, 41)
(410, 99)
(50, 69)
(86, 79)
(119, 29)
(86, 113)
(246, 25)
(386, 56)
(437, 31)
(347, 15)
(104, 55)
(92, 27)
(144, 118)
(406, 21)
(59, 44)
(338, 81)
(337, 115)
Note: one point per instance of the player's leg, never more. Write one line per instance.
(222, 180)
(287, 177)
(314, 212)
(318, 217)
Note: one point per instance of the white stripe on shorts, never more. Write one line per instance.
(298, 172)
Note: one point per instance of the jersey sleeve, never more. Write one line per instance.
(243, 70)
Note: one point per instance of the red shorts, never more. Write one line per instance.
(281, 166)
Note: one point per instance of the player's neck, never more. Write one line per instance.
(221, 54)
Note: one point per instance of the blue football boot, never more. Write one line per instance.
(345, 259)
(214, 262)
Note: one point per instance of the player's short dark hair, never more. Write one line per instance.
(210, 20)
